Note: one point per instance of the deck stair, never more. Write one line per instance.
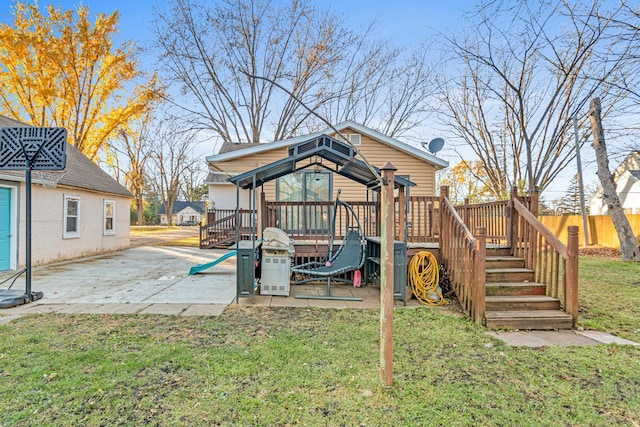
(514, 300)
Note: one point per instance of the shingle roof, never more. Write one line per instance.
(233, 146)
(80, 171)
(179, 205)
(213, 178)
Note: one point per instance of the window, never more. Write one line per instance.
(109, 217)
(353, 138)
(71, 217)
(305, 186)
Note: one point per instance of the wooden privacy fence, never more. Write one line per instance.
(465, 258)
(555, 264)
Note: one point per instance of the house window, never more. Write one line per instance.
(109, 217)
(71, 217)
(353, 138)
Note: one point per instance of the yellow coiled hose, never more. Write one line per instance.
(424, 278)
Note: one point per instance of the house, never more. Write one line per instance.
(627, 180)
(184, 213)
(317, 182)
(78, 212)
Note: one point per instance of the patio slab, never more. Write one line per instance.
(568, 338)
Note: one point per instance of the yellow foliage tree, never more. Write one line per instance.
(59, 69)
(468, 180)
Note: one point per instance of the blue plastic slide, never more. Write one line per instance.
(201, 267)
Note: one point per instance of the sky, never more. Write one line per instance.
(403, 22)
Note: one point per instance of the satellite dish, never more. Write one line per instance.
(434, 145)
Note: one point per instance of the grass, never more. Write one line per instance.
(319, 367)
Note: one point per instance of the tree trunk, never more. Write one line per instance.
(628, 242)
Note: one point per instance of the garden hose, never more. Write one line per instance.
(425, 278)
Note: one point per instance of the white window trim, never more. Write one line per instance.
(355, 141)
(70, 234)
(106, 232)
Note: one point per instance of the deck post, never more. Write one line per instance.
(402, 207)
(465, 212)
(443, 245)
(386, 273)
(513, 223)
(571, 278)
(480, 268)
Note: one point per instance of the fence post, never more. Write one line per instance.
(535, 197)
(513, 220)
(480, 268)
(571, 279)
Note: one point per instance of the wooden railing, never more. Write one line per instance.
(555, 264)
(493, 216)
(465, 259)
(423, 219)
(214, 215)
(312, 220)
(223, 230)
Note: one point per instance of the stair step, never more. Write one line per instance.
(535, 319)
(510, 275)
(521, 302)
(504, 262)
(498, 251)
(515, 288)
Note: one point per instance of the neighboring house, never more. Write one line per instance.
(87, 212)
(184, 213)
(627, 180)
(318, 183)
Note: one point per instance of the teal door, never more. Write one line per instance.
(5, 228)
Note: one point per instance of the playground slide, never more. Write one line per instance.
(201, 267)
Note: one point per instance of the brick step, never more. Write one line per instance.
(504, 262)
(509, 275)
(515, 288)
(521, 303)
(535, 319)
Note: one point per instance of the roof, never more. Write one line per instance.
(217, 178)
(233, 151)
(311, 153)
(635, 174)
(180, 205)
(80, 171)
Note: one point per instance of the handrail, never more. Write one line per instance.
(540, 228)
(464, 257)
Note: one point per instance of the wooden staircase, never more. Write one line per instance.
(514, 300)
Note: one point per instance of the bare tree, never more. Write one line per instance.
(526, 69)
(212, 52)
(128, 154)
(628, 243)
(170, 155)
(208, 50)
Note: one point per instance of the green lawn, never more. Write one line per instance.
(319, 367)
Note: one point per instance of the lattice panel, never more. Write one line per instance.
(45, 147)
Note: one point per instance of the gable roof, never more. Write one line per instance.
(180, 205)
(233, 151)
(80, 173)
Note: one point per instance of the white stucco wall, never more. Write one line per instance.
(48, 243)
(223, 196)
